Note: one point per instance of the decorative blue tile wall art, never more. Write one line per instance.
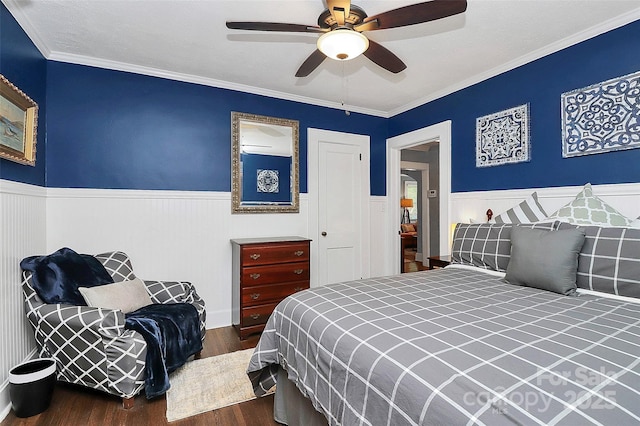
(268, 181)
(602, 117)
(503, 137)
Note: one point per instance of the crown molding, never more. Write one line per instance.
(26, 25)
(591, 32)
(17, 11)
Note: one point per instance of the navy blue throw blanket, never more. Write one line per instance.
(172, 333)
(56, 277)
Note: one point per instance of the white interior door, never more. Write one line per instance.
(340, 210)
(338, 185)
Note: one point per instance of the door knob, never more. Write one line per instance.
(324, 233)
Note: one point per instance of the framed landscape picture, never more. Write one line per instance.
(18, 124)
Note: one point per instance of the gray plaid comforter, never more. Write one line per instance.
(455, 347)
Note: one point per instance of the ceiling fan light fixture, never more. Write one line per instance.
(343, 44)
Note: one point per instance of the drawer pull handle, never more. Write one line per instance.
(299, 253)
(298, 271)
(298, 289)
(255, 296)
(255, 276)
(255, 316)
(255, 256)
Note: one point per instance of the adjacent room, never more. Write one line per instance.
(319, 212)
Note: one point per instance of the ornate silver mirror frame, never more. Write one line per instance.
(264, 164)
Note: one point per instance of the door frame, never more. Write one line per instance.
(314, 138)
(442, 133)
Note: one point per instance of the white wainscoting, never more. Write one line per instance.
(169, 235)
(472, 206)
(22, 233)
(177, 235)
(380, 248)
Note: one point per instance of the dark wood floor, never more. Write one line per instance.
(410, 264)
(72, 405)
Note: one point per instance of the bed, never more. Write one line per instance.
(464, 344)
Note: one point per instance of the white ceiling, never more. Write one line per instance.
(188, 40)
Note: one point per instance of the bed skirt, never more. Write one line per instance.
(292, 408)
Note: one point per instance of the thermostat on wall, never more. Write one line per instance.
(432, 193)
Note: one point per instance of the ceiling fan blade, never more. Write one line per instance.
(413, 14)
(384, 57)
(340, 10)
(311, 63)
(275, 26)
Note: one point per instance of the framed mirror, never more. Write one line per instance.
(264, 164)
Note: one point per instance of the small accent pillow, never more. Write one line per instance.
(587, 209)
(126, 296)
(408, 227)
(547, 260)
(528, 211)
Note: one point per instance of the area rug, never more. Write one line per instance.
(208, 384)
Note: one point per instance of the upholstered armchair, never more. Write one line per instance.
(91, 345)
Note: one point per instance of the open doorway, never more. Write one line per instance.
(419, 183)
(442, 133)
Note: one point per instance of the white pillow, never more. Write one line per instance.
(587, 209)
(126, 296)
(528, 211)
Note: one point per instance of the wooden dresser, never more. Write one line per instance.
(265, 271)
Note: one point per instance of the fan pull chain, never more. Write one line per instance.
(345, 91)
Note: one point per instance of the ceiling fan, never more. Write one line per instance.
(342, 24)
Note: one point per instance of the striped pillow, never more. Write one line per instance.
(528, 211)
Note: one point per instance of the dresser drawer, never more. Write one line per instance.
(257, 295)
(279, 273)
(265, 254)
(265, 271)
(257, 314)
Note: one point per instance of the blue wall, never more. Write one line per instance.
(111, 129)
(23, 65)
(540, 83)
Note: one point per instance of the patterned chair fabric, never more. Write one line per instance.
(90, 345)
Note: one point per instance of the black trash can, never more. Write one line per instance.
(31, 386)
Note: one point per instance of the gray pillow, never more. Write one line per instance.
(485, 245)
(547, 260)
(609, 261)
